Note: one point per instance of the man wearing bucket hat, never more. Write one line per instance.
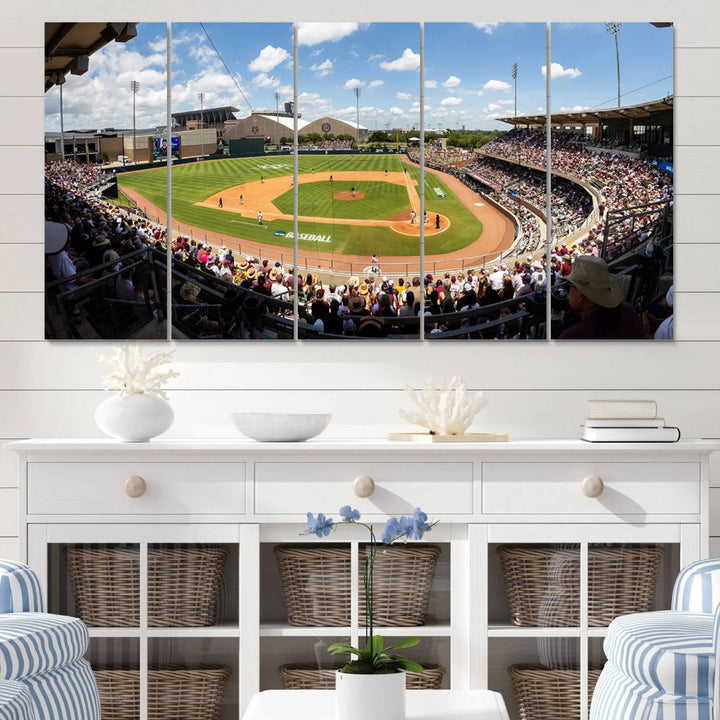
(596, 296)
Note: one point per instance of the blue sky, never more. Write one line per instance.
(468, 78)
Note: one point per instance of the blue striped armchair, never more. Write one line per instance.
(43, 675)
(661, 665)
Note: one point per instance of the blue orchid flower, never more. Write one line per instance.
(349, 514)
(320, 525)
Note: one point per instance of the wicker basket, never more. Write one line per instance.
(305, 676)
(173, 693)
(543, 583)
(543, 694)
(183, 584)
(316, 584)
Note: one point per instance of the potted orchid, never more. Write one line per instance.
(373, 684)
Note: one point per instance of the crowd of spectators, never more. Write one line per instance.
(442, 158)
(99, 232)
(624, 180)
(335, 145)
(571, 205)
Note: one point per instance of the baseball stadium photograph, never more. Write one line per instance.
(327, 181)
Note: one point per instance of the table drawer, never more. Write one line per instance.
(533, 488)
(171, 488)
(291, 488)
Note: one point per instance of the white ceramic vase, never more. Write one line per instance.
(360, 697)
(134, 418)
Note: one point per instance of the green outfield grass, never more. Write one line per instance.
(194, 182)
(381, 200)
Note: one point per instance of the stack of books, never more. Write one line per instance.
(627, 421)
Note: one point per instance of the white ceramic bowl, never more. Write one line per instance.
(281, 427)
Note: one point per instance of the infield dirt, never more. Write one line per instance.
(258, 196)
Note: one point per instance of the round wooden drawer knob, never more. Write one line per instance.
(363, 486)
(135, 486)
(593, 486)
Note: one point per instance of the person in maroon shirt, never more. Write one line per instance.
(596, 296)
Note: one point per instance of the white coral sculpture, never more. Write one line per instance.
(132, 373)
(443, 410)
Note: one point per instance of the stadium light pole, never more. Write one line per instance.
(134, 87)
(60, 80)
(357, 115)
(614, 28)
(514, 74)
(201, 97)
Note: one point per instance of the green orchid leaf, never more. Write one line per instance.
(405, 643)
(337, 648)
(376, 644)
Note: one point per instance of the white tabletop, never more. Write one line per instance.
(421, 705)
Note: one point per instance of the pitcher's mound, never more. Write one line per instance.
(347, 195)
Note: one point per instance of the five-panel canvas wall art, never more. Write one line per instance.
(348, 181)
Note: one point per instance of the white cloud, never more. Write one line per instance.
(539, 109)
(309, 98)
(102, 97)
(286, 90)
(348, 111)
(415, 107)
(504, 102)
(322, 69)
(268, 59)
(353, 83)
(451, 82)
(263, 80)
(486, 27)
(558, 71)
(316, 33)
(451, 101)
(403, 96)
(496, 85)
(409, 60)
(396, 111)
(430, 84)
(316, 53)
(494, 107)
(376, 83)
(575, 108)
(158, 45)
(376, 56)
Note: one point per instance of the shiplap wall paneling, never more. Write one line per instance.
(22, 170)
(227, 366)
(23, 221)
(694, 218)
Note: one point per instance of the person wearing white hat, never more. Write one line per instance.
(59, 260)
(597, 297)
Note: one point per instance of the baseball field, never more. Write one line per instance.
(347, 204)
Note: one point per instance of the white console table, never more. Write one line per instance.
(421, 705)
(252, 497)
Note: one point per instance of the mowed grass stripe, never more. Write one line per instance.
(194, 182)
(380, 200)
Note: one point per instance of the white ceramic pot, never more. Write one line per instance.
(360, 697)
(134, 418)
